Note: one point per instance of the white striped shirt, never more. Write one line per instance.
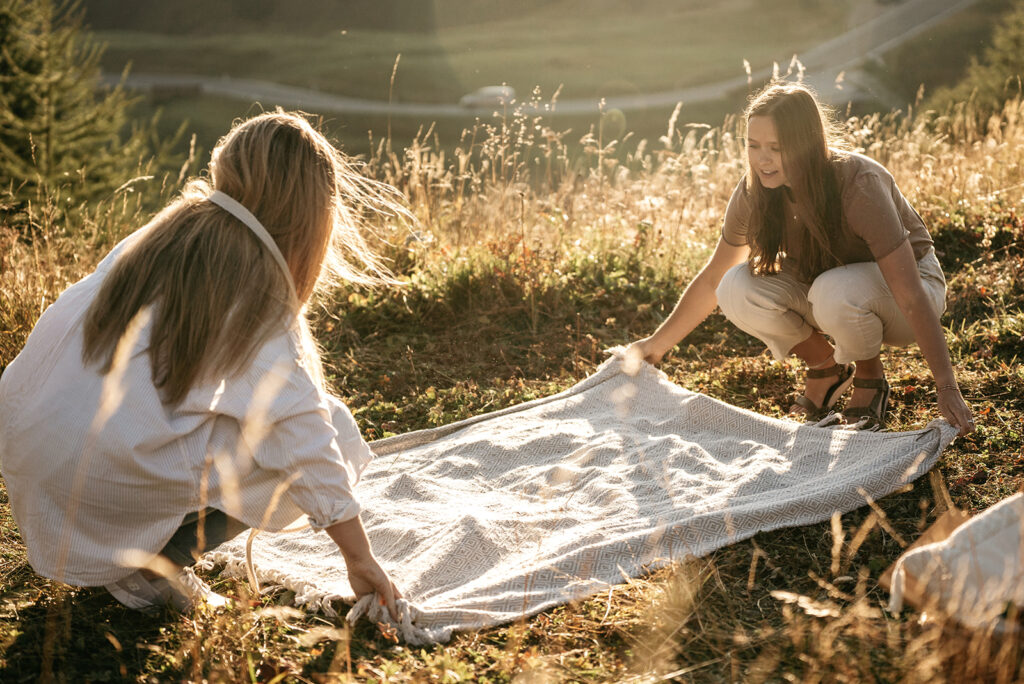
(96, 497)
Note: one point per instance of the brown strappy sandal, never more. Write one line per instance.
(872, 416)
(844, 378)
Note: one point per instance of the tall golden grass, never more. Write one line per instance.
(520, 190)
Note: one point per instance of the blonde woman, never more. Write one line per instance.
(174, 397)
(821, 257)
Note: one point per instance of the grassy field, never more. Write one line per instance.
(532, 259)
(207, 118)
(588, 50)
(566, 47)
(653, 49)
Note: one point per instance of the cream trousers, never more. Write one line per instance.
(852, 304)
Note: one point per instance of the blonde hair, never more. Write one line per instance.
(216, 291)
(809, 145)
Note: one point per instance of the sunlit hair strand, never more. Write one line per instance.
(809, 147)
(217, 292)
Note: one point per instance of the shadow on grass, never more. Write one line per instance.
(59, 633)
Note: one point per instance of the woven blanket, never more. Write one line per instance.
(503, 515)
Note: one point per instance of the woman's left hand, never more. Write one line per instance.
(955, 410)
(901, 273)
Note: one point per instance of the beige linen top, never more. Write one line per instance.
(91, 499)
(876, 216)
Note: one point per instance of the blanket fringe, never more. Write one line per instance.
(372, 606)
(308, 596)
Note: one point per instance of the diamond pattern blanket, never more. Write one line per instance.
(503, 515)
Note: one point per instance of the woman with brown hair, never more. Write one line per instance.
(175, 396)
(822, 257)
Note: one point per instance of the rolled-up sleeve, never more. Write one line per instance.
(354, 448)
(303, 449)
(303, 446)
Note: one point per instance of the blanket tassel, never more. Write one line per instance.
(373, 608)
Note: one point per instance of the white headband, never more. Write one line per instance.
(235, 208)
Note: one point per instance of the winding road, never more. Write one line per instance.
(843, 55)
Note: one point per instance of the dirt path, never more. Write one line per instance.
(844, 54)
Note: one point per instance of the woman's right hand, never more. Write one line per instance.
(699, 299)
(364, 572)
(645, 349)
(367, 576)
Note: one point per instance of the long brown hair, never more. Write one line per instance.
(215, 291)
(809, 146)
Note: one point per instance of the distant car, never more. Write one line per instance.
(488, 96)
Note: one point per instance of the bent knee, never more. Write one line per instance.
(734, 282)
(737, 292)
(743, 294)
(831, 286)
(845, 288)
(847, 296)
